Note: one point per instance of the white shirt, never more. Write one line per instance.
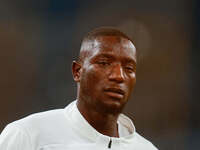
(66, 129)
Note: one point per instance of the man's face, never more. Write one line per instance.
(108, 74)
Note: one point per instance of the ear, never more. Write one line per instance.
(76, 71)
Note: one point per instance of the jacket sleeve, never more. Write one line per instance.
(14, 138)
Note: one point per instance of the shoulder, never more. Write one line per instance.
(136, 139)
(39, 124)
(39, 119)
(47, 121)
(24, 133)
(143, 142)
(14, 138)
(37, 130)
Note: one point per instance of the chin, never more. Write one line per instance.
(111, 107)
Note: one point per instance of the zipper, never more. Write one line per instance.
(110, 143)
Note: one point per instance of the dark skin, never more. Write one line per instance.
(106, 76)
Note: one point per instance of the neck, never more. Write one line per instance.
(104, 123)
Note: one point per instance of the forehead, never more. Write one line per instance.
(113, 45)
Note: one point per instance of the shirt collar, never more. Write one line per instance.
(80, 124)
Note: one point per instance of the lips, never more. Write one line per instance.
(115, 92)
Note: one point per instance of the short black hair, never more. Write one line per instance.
(101, 31)
(105, 31)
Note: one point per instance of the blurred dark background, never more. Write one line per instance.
(39, 40)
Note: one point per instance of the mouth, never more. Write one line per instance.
(116, 93)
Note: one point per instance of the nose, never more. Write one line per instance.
(117, 74)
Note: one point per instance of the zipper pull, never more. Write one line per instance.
(110, 143)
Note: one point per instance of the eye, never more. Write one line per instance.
(130, 69)
(103, 62)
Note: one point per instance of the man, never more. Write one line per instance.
(106, 75)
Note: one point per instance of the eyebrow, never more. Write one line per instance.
(106, 55)
(130, 60)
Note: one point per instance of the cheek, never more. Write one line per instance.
(131, 82)
(90, 77)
